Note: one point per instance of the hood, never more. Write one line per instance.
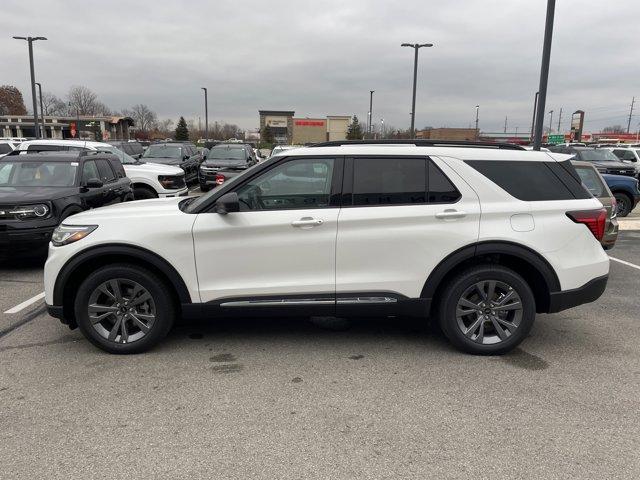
(24, 195)
(155, 168)
(163, 160)
(616, 165)
(138, 208)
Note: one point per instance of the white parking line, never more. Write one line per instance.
(628, 264)
(25, 304)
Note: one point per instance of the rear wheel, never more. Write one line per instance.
(624, 204)
(487, 310)
(124, 309)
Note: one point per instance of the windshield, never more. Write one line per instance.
(38, 174)
(236, 155)
(598, 156)
(124, 158)
(163, 151)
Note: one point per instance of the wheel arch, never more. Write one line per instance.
(76, 269)
(535, 269)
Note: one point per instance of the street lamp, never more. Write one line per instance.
(477, 131)
(416, 47)
(44, 130)
(544, 74)
(370, 111)
(30, 40)
(550, 121)
(206, 115)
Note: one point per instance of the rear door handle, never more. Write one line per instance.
(451, 214)
(307, 222)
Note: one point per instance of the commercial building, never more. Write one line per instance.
(287, 129)
(110, 128)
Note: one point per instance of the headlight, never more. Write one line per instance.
(172, 181)
(64, 235)
(25, 212)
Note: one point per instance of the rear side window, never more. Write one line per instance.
(118, 168)
(533, 181)
(106, 174)
(441, 190)
(389, 181)
(44, 148)
(591, 180)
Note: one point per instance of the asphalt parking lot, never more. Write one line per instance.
(296, 399)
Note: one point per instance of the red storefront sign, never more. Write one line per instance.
(309, 123)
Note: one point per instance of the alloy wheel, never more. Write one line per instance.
(489, 312)
(121, 310)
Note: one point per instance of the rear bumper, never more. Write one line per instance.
(589, 292)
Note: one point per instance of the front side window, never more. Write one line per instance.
(90, 172)
(106, 174)
(389, 181)
(296, 184)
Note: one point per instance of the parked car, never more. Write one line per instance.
(278, 149)
(480, 239)
(628, 155)
(602, 159)
(626, 191)
(182, 155)
(149, 180)
(223, 162)
(133, 149)
(7, 146)
(38, 191)
(594, 182)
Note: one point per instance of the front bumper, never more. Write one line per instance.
(589, 292)
(183, 192)
(24, 240)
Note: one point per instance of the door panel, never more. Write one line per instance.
(393, 248)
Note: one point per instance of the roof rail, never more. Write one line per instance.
(420, 143)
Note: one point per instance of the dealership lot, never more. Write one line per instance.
(296, 399)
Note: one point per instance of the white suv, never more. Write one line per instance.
(628, 155)
(478, 238)
(148, 180)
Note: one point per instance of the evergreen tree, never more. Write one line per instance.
(182, 132)
(267, 135)
(354, 132)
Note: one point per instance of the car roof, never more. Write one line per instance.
(69, 143)
(462, 153)
(46, 157)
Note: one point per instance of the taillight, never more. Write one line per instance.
(595, 220)
(614, 207)
(219, 179)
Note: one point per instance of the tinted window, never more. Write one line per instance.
(304, 183)
(441, 190)
(5, 148)
(533, 181)
(389, 181)
(90, 171)
(106, 174)
(625, 155)
(118, 168)
(44, 148)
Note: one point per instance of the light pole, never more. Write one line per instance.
(477, 113)
(206, 115)
(382, 128)
(30, 40)
(533, 120)
(370, 111)
(44, 130)
(550, 121)
(544, 73)
(416, 47)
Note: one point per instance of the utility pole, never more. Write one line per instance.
(416, 47)
(505, 124)
(533, 120)
(477, 131)
(559, 120)
(206, 115)
(370, 111)
(550, 120)
(30, 40)
(633, 101)
(544, 73)
(44, 130)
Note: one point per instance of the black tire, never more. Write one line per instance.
(161, 295)
(624, 204)
(204, 188)
(143, 193)
(454, 290)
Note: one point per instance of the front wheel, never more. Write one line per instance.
(623, 204)
(487, 310)
(124, 309)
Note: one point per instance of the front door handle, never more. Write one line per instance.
(451, 213)
(307, 222)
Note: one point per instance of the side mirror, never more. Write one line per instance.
(94, 183)
(227, 203)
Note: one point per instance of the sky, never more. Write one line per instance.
(322, 58)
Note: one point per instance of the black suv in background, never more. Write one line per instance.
(39, 190)
(604, 160)
(133, 149)
(183, 155)
(225, 161)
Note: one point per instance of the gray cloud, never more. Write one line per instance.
(322, 58)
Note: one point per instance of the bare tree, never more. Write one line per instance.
(52, 105)
(84, 101)
(145, 119)
(614, 129)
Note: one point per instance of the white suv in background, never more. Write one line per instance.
(478, 237)
(148, 180)
(628, 155)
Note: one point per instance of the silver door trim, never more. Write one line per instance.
(279, 302)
